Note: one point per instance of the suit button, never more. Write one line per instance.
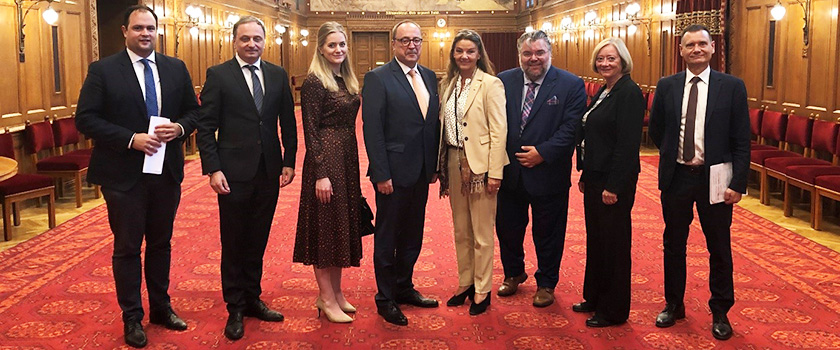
(466, 138)
(465, 123)
(259, 142)
(260, 122)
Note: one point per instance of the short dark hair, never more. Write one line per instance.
(695, 28)
(131, 10)
(248, 19)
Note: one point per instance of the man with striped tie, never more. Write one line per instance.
(544, 106)
(244, 100)
(120, 95)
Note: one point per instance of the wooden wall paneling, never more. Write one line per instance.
(751, 54)
(34, 98)
(835, 24)
(75, 51)
(10, 99)
(820, 83)
(794, 75)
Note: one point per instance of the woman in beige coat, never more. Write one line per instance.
(472, 156)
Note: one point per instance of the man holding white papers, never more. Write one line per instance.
(699, 119)
(118, 99)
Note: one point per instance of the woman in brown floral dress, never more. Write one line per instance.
(328, 220)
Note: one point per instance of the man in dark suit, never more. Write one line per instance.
(400, 114)
(243, 99)
(699, 119)
(544, 107)
(119, 95)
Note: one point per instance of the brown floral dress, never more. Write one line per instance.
(328, 234)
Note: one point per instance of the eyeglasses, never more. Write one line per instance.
(407, 41)
(609, 59)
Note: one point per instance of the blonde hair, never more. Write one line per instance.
(321, 68)
(623, 53)
(483, 62)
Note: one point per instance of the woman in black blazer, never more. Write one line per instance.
(608, 154)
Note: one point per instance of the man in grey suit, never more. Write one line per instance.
(400, 113)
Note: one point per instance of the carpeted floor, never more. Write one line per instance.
(57, 291)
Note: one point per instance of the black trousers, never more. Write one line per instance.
(245, 216)
(606, 282)
(147, 210)
(398, 237)
(548, 230)
(689, 187)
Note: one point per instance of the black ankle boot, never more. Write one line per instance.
(479, 308)
(457, 300)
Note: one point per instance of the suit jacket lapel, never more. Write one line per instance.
(475, 85)
(239, 77)
(714, 91)
(678, 97)
(166, 83)
(401, 78)
(546, 89)
(127, 70)
(268, 82)
(515, 104)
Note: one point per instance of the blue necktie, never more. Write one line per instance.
(151, 93)
(258, 91)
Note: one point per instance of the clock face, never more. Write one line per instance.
(441, 22)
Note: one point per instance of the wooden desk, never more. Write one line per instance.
(8, 168)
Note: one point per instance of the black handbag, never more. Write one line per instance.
(365, 218)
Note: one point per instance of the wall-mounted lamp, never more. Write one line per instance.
(280, 29)
(50, 16)
(778, 12)
(529, 29)
(303, 34)
(194, 15)
(590, 18)
(633, 13)
(441, 37)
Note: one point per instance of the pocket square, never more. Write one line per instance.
(553, 101)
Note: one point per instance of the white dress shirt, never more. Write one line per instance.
(247, 73)
(699, 119)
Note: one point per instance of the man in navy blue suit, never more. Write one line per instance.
(120, 94)
(400, 114)
(699, 119)
(544, 105)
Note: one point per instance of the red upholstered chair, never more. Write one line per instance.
(802, 174)
(66, 135)
(773, 128)
(21, 187)
(40, 138)
(798, 133)
(826, 186)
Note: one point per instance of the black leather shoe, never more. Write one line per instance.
(721, 329)
(391, 313)
(598, 322)
(259, 310)
(583, 306)
(415, 298)
(234, 330)
(479, 308)
(460, 299)
(669, 316)
(168, 319)
(134, 335)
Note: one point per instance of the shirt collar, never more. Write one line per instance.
(704, 76)
(405, 68)
(242, 63)
(538, 81)
(135, 57)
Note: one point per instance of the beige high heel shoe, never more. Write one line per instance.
(347, 307)
(343, 318)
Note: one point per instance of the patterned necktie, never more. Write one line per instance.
(526, 107)
(421, 93)
(151, 93)
(258, 91)
(690, 118)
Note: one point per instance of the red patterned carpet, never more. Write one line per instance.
(57, 292)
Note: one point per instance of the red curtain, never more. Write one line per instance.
(710, 13)
(501, 48)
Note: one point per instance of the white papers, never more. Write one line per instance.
(720, 175)
(153, 164)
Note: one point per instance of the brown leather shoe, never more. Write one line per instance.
(544, 297)
(511, 284)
